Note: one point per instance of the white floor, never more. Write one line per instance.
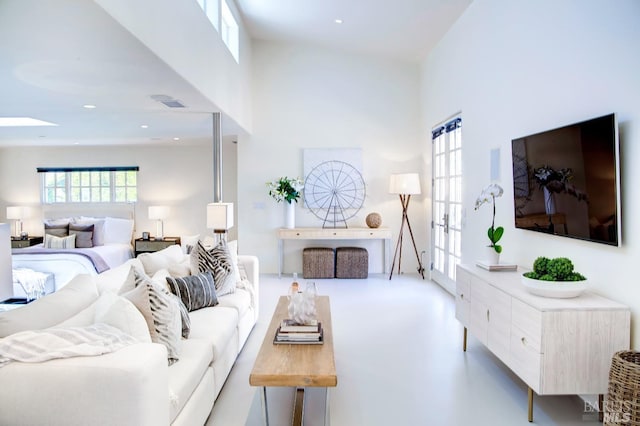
(398, 351)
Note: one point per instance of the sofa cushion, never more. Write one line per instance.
(240, 300)
(216, 326)
(195, 291)
(219, 262)
(184, 376)
(161, 259)
(51, 309)
(115, 311)
(161, 313)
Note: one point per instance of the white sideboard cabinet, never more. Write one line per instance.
(556, 346)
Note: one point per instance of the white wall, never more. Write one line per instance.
(516, 68)
(181, 35)
(178, 176)
(308, 97)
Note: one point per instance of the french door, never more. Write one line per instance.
(446, 224)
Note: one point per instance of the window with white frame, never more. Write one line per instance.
(229, 30)
(89, 185)
(212, 10)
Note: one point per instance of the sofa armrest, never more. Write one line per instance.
(252, 266)
(126, 387)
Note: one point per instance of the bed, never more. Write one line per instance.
(104, 242)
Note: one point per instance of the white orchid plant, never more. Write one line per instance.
(285, 189)
(489, 195)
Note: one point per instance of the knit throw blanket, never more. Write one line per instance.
(54, 343)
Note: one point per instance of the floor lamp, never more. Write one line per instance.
(405, 185)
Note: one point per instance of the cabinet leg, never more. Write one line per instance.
(601, 408)
(530, 396)
(464, 340)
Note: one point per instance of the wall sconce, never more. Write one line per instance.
(220, 218)
(17, 213)
(405, 185)
(159, 213)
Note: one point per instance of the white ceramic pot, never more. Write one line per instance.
(289, 215)
(491, 256)
(556, 289)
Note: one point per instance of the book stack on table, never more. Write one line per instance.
(289, 332)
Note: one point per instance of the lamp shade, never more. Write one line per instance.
(220, 216)
(158, 212)
(404, 183)
(16, 212)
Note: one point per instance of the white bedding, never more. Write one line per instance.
(65, 266)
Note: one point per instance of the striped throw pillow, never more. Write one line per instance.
(161, 312)
(53, 242)
(218, 261)
(195, 291)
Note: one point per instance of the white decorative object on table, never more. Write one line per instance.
(302, 305)
(557, 289)
(289, 215)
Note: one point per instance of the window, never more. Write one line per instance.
(89, 185)
(210, 8)
(229, 31)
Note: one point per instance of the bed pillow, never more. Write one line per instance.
(118, 231)
(195, 291)
(56, 229)
(219, 262)
(161, 312)
(98, 228)
(53, 242)
(83, 233)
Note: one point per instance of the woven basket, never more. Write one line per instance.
(623, 398)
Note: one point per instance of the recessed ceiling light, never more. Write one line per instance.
(23, 122)
(176, 139)
(89, 106)
(144, 126)
(338, 21)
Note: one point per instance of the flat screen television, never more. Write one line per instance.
(566, 181)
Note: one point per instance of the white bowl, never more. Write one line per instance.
(557, 289)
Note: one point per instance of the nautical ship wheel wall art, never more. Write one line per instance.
(334, 191)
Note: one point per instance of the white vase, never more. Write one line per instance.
(549, 202)
(289, 215)
(492, 257)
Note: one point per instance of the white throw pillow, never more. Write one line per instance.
(187, 242)
(162, 259)
(232, 246)
(118, 231)
(123, 315)
(53, 242)
(52, 308)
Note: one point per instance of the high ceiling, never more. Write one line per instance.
(58, 55)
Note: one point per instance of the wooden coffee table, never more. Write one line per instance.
(296, 365)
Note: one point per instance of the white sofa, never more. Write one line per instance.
(132, 386)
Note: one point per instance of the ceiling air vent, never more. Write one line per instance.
(168, 101)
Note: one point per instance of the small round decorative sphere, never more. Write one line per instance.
(373, 220)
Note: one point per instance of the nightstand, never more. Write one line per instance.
(149, 246)
(28, 242)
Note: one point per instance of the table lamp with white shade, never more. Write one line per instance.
(17, 213)
(220, 218)
(159, 213)
(405, 185)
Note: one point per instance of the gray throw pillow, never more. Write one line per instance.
(83, 233)
(195, 291)
(57, 229)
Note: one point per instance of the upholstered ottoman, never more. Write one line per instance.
(318, 262)
(352, 262)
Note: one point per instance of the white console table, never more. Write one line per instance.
(556, 346)
(383, 234)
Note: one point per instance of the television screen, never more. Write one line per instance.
(566, 181)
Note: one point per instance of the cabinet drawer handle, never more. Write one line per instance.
(297, 234)
(462, 296)
(524, 341)
(488, 315)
